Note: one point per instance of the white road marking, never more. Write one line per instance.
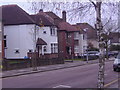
(105, 74)
(62, 86)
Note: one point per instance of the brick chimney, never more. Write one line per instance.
(41, 10)
(64, 16)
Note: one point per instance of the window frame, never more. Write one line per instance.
(53, 31)
(45, 48)
(5, 41)
(54, 48)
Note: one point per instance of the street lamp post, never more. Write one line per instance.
(87, 54)
(87, 44)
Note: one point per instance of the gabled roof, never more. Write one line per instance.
(53, 15)
(41, 20)
(62, 25)
(41, 16)
(56, 19)
(85, 27)
(41, 42)
(13, 15)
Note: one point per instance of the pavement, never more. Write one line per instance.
(68, 64)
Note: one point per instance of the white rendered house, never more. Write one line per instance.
(80, 49)
(23, 35)
(20, 40)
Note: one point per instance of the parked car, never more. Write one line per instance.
(116, 64)
(92, 53)
(110, 53)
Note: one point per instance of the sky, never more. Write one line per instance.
(90, 17)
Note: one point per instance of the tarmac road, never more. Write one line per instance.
(76, 77)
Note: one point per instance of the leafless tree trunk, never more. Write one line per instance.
(34, 56)
(99, 28)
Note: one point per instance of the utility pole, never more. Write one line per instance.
(99, 28)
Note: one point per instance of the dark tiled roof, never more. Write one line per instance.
(41, 42)
(13, 15)
(79, 29)
(66, 26)
(41, 16)
(53, 15)
(91, 32)
(62, 25)
(41, 20)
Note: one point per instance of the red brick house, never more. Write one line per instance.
(66, 36)
(67, 42)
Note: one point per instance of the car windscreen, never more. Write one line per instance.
(92, 52)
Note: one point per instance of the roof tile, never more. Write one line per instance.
(13, 14)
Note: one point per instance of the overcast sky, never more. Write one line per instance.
(88, 18)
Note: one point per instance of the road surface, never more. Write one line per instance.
(76, 77)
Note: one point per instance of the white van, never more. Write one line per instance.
(116, 65)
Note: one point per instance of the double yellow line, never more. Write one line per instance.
(112, 82)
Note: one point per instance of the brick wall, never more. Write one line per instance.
(62, 43)
(66, 40)
(49, 56)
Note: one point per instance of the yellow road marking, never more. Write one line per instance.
(1, 66)
(106, 85)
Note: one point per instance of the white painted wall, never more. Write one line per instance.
(47, 37)
(22, 37)
(76, 47)
(18, 37)
(82, 44)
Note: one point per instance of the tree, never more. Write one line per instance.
(34, 33)
(99, 28)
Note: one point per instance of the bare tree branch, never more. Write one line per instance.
(93, 3)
